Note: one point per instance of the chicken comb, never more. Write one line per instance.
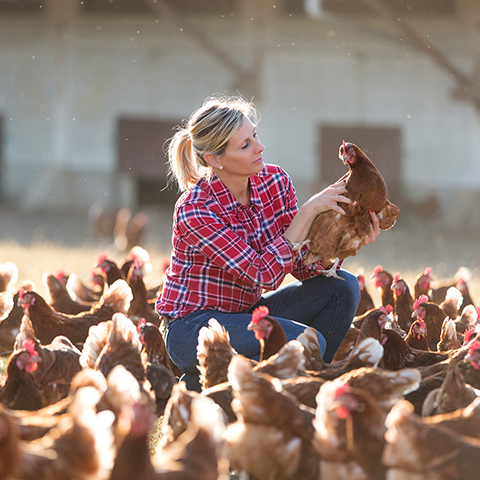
(29, 346)
(474, 346)
(427, 271)
(344, 388)
(421, 299)
(388, 309)
(101, 258)
(21, 293)
(141, 322)
(469, 335)
(377, 269)
(60, 274)
(259, 313)
(397, 277)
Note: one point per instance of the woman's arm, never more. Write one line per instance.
(327, 199)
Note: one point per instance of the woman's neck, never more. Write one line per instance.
(240, 189)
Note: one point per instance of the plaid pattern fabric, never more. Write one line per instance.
(225, 254)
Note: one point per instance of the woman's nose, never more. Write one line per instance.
(260, 146)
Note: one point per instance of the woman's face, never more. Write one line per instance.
(243, 154)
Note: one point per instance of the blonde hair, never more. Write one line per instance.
(208, 130)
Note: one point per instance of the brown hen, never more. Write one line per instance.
(334, 237)
(273, 435)
(48, 323)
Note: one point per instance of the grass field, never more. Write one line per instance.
(38, 243)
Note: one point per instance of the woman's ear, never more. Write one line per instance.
(212, 160)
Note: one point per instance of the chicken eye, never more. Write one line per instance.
(360, 407)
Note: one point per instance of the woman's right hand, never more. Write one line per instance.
(328, 199)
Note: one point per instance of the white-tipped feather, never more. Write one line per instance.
(118, 295)
(6, 304)
(140, 254)
(463, 273)
(123, 387)
(206, 335)
(207, 414)
(239, 371)
(73, 285)
(369, 351)
(9, 271)
(454, 295)
(288, 362)
(99, 424)
(94, 343)
(123, 328)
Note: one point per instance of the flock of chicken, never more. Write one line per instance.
(88, 382)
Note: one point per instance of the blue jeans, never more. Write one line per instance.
(325, 303)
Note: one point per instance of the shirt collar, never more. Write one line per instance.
(226, 199)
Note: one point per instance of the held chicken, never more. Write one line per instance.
(334, 237)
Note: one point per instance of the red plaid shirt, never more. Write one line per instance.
(224, 254)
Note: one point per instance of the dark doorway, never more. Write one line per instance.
(141, 153)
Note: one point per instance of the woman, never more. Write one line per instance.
(234, 234)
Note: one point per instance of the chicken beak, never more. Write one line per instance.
(250, 326)
(344, 155)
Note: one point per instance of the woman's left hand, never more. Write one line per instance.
(374, 229)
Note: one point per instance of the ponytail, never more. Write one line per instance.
(208, 131)
(182, 161)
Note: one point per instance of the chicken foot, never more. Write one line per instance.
(331, 272)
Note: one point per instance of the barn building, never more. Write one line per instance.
(90, 90)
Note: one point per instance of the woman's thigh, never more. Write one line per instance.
(324, 303)
(182, 335)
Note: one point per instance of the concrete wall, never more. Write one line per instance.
(65, 78)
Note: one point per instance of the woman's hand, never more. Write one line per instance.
(374, 229)
(328, 199)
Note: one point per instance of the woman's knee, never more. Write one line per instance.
(349, 288)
